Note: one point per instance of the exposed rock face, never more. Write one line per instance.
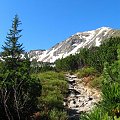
(81, 98)
(73, 44)
(34, 54)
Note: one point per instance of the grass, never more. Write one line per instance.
(96, 82)
(85, 72)
(91, 77)
(54, 89)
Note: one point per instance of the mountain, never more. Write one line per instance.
(73, 44)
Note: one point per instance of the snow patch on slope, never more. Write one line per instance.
(73, 44)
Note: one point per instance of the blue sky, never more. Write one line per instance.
(47, 22)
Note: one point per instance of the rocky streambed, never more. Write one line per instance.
(80, 97)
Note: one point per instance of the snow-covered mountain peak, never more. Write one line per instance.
(73, 44)
(104, 28)
(98, 29)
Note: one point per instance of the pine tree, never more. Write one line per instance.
(12, 48)
(18, 90)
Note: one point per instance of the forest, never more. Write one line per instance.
(29, 91)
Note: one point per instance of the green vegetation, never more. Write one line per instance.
(109, 107)
(95, 114)
(58, 115)
(54, 88)
(85, 72)
(96, 82)
(37, 67)
(93, 57)
(27, 94)
(103, 64)
(66, 64)
(18, 90)
(35, 91)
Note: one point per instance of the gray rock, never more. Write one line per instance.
(84, 100)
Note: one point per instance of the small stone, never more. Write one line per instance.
(90, 98)
(74, 102)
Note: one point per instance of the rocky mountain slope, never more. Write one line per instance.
(73, 44)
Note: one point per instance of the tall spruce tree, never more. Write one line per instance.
(12, 48)
(18, 90)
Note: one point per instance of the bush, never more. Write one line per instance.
(96, 82)
(96, 114)
(58, 115)
(53, 94)
(85, 72)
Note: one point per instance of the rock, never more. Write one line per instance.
(73, 76)
(90, 98)
(81, 98)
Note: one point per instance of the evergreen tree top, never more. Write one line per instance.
(12, 47)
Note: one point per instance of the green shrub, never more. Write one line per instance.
(54, 88)
(95, 114)
(115, 118)
(111, 98)
(58, 115)
(85, 72)
(97, 82)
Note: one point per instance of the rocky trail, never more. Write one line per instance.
(80, 97)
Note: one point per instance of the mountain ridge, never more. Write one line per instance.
(73, 44)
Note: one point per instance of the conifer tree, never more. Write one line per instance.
(18, 90)
(12, 49)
